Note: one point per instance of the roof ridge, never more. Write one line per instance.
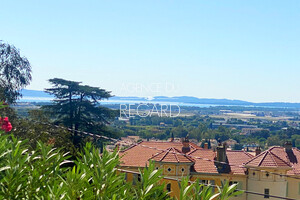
(167, 151)
(280, 159)
(266, 152)
(275, 146)
(156, 154)
(192, 151)
(264, 155)
(192, 144)
(251, 159)
(172, 151)
(187, 156)
(295, 148)
(242, 151)
(249, 155)
(161, 142)
(286, 156)
(130, 147)
(175, 154)
(272, 157)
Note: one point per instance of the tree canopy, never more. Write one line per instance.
(77, 106)
(15, 73)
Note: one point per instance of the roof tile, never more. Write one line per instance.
(138, 156)
(268, 159)
(172, 155)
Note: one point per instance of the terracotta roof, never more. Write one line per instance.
(204, 166)
(294, 158)
(274, 157)
(268, 159)
(234, 158)
(172, 155)
(291, 157)
(237, 158)
(138, 156)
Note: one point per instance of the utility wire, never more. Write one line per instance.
(164, 150)
(215, 186)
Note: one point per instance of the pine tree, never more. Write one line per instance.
(77, 106)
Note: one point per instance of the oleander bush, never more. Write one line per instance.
(47, 174)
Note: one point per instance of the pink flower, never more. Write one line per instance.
(5, 124)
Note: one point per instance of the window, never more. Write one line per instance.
(267, 175)
(182, 169)
(169, 187)
(267, 193)
(169, 169)
(254, 175)
(125, 176)
(139, 178)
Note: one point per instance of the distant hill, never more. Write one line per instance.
(35, 95)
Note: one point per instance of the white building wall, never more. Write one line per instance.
(293, 188)
(259, 181)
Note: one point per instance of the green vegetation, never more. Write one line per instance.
(15, 73)
(76, 107)
(46, 173)
(34, 163)
(201, 128)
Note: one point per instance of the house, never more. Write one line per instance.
(235, 126)
(230, 143)
(265, 172)
(249, 131)
(280, 161)
(177, 160)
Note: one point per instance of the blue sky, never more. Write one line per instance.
(247, 50)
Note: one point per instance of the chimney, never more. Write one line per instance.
(205, 145)
(186, 145)
(221, 153)
(172, 138)
(257, 151)
(288, 146)
(221, 159)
